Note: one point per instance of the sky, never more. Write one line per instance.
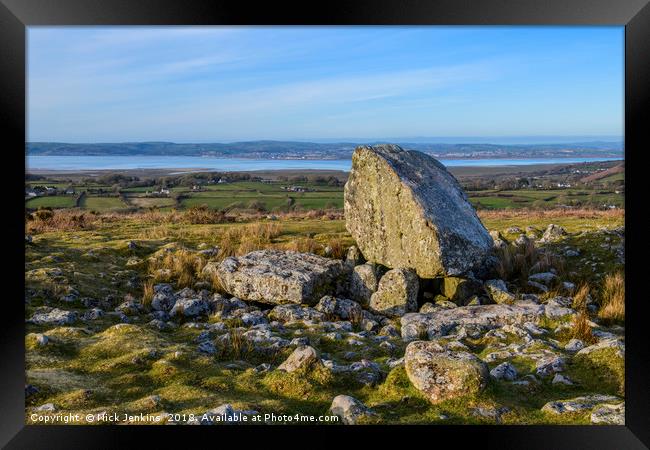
(226, 84)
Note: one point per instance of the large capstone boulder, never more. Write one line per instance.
(397, 293)
(405, 210)
(442, 374)
(278, 277)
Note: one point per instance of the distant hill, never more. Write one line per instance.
(604, 174)
(311, 150)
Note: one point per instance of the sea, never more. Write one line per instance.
(83, 163)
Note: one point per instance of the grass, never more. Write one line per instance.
(123, 365)
(101, 203)
(612, 303)
(54, 201)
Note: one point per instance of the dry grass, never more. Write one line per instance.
(44, 220)
(612, 298)
(147, 293)
(581, 329)
(337, 248)
(204, 215)
(535, 214)
(580, 298)
(517, 262)
(303, 245)
(181, 266)
(217, 285)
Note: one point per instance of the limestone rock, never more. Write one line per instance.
(343, 308)
(53, 316)
(553, 232)
(277, 277)
(302, 357)
(349, 409)
(443, 374)
(578, 403)
(364, 281)
(460, 290)
(397, 293)
(504, 371)
(404, 209)
(609, 414)
(499, 291)
(443, 322)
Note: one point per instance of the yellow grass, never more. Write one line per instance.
(612, 299)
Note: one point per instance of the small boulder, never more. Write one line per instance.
(364, 281)
(498, 291)
(553, 232)
(504, 371)
(460, 290)
(397, 293)
(302, 357)
(443, 374)
(349, 409)
(343, 308)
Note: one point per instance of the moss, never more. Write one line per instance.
(601, 370)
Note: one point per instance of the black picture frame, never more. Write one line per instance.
(16, 15)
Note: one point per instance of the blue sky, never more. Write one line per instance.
(223, 84)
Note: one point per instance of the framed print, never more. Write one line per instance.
(375, 218)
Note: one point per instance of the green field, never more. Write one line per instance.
(271, 196)
(101, 203)
(54, 201)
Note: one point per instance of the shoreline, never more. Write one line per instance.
(170, 171)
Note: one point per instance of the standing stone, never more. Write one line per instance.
(277, 277)
(444, 374)
(405, 210)
(397, 293)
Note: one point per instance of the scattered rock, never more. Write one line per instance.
(302, 357)
(443, 322)
(504, 371)
(443, 374)
(343, 308)
(574, 345)
(609, 414)
(272, 276)
(553, 232)
(397, 293)
(543, 277)
(404, 209)
(189, 307)
(290, 313)
(577, 404)
(349, 409)
(364, 281)
(498, 291)
(53, 316)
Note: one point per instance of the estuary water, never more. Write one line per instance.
(82, 163)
